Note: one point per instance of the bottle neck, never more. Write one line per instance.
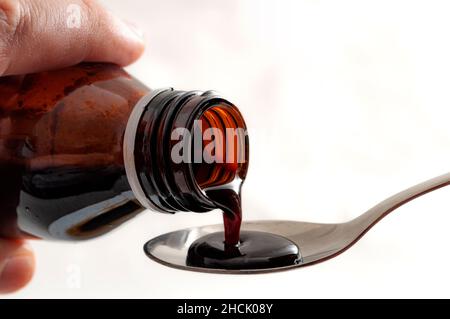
(173, 152)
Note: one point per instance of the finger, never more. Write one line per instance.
(46, 34)
(16, 265)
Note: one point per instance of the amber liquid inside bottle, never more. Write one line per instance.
(61, 135)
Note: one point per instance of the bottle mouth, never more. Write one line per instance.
(178, 144)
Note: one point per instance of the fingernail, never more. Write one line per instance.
(10, 268)
(135, 29)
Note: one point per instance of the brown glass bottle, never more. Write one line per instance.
(64, 135)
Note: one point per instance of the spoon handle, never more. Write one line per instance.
(376, 213)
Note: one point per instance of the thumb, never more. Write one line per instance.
(46, 34)
(16, 265)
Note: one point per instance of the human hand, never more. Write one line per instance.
(48, 34)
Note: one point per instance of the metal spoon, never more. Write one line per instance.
(316, 242)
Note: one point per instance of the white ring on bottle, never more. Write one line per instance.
(128, 149)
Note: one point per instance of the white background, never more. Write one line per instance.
(347, 102)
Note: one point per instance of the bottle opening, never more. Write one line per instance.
(184, 144)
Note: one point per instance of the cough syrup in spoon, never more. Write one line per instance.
(221, 181)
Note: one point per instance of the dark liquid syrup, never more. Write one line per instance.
(233, 249)
(256, 250)
(222, 182)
